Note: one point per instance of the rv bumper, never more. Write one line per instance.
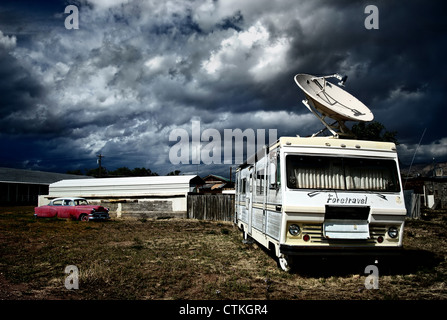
(339, 251)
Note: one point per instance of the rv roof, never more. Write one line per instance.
(326, 142)
(334, 142)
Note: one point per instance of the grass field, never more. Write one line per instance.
(201, 260)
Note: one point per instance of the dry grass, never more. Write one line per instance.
(190, 259)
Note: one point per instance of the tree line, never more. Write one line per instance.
(374, 131)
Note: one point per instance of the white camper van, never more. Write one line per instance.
(321, 195)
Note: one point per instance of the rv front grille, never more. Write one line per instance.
(376, 231)
(315, 231)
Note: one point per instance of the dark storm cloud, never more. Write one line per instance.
(136, 70)
(18, 87)
(394, 70)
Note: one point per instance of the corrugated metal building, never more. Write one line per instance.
(152, 196)
(22, 187)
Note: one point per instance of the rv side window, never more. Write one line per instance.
(278, 171)
(274, 170)
(260, 182)
(243, 186)
(250, 183)
(321, 172)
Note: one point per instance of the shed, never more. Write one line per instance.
(152, 196)
(22, 187)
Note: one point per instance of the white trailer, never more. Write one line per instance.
(321, 195)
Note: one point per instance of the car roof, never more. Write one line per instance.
(69, 198)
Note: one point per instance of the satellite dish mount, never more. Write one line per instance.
(328, 101)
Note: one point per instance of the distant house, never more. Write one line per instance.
(430, 183)
(433, 190)
(216, 184)
(23, 187)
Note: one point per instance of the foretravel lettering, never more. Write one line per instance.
(334, 199)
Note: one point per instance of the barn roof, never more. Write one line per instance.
(128, 186)
(11, 175)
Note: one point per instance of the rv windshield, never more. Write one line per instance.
(325, 172)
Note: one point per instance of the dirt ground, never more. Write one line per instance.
(180, 259)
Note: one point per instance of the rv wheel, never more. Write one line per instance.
(284, 262)
(246, 238)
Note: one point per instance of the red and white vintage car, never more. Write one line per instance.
(72, 208)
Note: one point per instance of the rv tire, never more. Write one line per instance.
(284, 262)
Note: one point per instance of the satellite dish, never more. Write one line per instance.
(325, 99)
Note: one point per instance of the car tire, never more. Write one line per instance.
(83, 217)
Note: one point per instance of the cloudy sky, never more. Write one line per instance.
(137, 70)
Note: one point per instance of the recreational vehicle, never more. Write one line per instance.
(321, 195)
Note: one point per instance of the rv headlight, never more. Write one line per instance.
(294, 229)
(392, 232)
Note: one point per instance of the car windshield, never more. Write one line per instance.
(56, 203)
(80, 202)
(325, 172)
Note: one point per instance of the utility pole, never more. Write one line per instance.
(100, 156)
